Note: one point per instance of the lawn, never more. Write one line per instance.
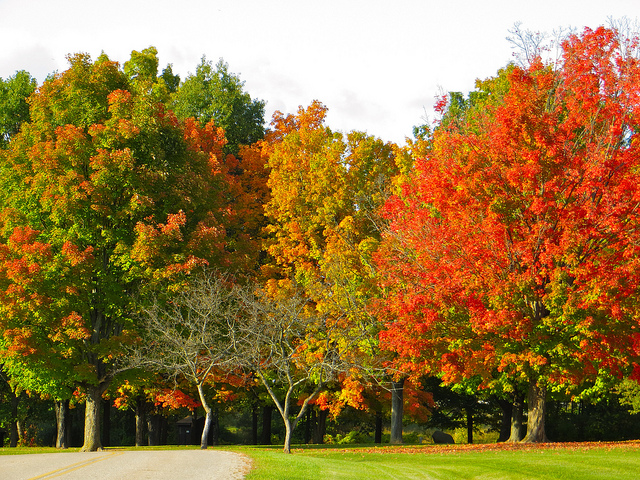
(580, 461)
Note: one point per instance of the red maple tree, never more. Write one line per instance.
(513, 251)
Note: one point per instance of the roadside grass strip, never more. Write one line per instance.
(574, 461)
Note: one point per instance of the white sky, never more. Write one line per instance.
(377, 65)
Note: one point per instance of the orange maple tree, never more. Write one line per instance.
(324, 190)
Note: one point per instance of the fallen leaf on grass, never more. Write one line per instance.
(496, 447)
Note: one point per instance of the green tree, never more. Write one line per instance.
(14, 109)
(214, 93)
(629, 390)
(171, 81)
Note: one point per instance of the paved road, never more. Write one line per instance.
(126, 465)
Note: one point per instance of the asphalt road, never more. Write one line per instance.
(126, 465)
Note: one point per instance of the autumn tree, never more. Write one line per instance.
(513, 247)
(323, 224)
(464, 110)
(29, 350)
(104, 192)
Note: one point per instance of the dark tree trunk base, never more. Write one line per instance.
(397, 411)
(378, 434)
(321, 427)
(93, 402)
(267, 411)
(141, 420)
(62, 423)
(505, 421)
(536, 401)
(516, 419)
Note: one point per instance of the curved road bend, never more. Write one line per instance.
(126, 465)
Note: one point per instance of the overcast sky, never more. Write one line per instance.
(376, 65)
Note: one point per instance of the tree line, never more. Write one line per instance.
(159, 246)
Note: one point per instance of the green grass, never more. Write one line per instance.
(579, 462)
(30, 450)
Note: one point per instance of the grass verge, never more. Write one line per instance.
(32, 450)
(579, 461)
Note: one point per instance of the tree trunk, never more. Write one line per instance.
(378, 434)
(204, 439)
(267, 411)
(288, 429)
(62, 422)
(13, 425)
(516, 419)
(505, 422)
(92, 420)
(140, 421)
(469, 411)
(397, 411)
(207, 419)
(536, 401)
(21, 432)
